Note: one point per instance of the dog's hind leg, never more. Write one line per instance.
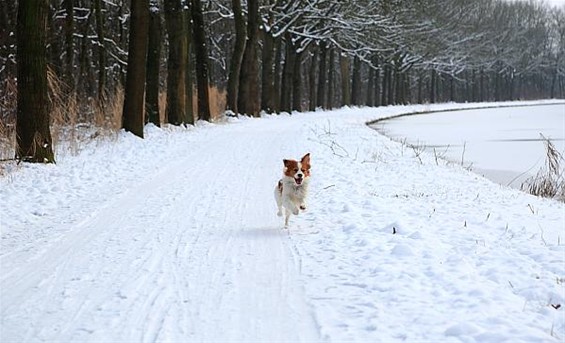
(286, 217)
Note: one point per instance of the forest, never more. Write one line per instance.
(117, 64)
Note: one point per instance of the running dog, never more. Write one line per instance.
(292, 189)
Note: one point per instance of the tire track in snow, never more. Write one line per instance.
(193, 248)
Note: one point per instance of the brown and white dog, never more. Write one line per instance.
(292, 189)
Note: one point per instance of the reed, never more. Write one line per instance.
(549, 181)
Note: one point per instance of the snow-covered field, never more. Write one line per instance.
(504, 144)
(176, 238)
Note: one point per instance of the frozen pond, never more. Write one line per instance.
(503, 144)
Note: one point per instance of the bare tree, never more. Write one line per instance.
(101, 51)
(176, 62)
(33, 137)
(133, 114)
(153, 65)
(249, 95)
(237, 55)
(201, 51)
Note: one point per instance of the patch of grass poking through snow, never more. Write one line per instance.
(549, 182)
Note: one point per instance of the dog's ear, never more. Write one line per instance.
(305, 159)
(286, 162)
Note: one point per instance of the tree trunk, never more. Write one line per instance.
(189, 115)
(237, 56)
(101, 52)
(345, 80)
(370, 100)
(391, 84)
(153, 66)
(329, 103)
(268, 75)
(278, 75)
(201, 52)
(312, 82)
(553, 84)
(433, 87)
(286, 83)
(322, 74)
(356, 82)
(377, 84)
(385, 88)
(33, 138)
(249, 97)
(297, 83)
(482, 86)
(176, 63)
(85, 84)
(133, 115)
(122, 34)
(69, 46)
(451, 88)
(398, 77)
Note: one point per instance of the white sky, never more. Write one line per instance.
(556, 2)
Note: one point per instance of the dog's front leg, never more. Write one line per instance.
(303, 205)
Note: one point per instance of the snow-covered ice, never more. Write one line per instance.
(504, 144)
(176, 238)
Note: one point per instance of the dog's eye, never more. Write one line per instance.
(295, 170)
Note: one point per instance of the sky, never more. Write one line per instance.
(558, 3)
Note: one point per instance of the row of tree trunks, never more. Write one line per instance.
(379, 84)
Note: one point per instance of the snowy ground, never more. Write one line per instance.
(175, 238)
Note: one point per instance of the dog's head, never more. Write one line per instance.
(298, 170)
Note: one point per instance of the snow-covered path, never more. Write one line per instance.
(193, 251)
(175, 238)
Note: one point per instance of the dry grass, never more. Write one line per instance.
(218, 101)
(108, 115)
(7, 140)
(549, 181)
(63, 112)
(76, 120)
(8, 120)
